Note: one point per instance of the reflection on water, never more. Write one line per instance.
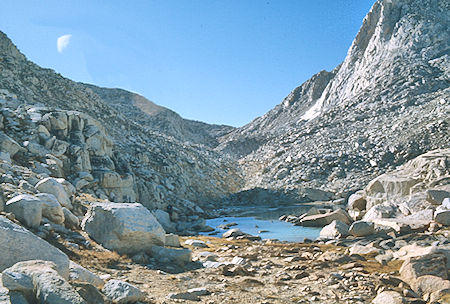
(266, 228)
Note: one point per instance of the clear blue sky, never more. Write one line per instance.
(225, 61)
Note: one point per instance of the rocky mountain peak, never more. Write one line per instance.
(7, 48)
(396, 37)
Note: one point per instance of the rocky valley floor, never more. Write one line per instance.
(268, 272)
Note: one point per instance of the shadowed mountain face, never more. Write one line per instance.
(388, 102)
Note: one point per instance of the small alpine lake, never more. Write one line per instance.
(263, 222)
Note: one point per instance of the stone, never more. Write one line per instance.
(361, 228)
(8, 145)
(442, 216)
(192, 294)
(164, 219)
(78, 273)
(436, 196)
(179, 257)
(51, 208)
(385, 210)
(124, 227)
(18, 244)
(359, 249)
(122, 292)
(335, 230)
(387, 187)
(321, 220)
(389, 297)
(70, 220)
(88, 292)
(196, 243)
(52, 186)
(26, 208)
(357, 201)
(430, 264)
(235, 232)
(429, 284)
(47, 285)
(172, 240)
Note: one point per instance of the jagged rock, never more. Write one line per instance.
(47, 285)
(126, 227)
(26, 208)
(361, 228)
(52, 186)
(19, 244)
(179, 257)
(235, 232)
(51, 208)
(78, 273)
(335, 230)
(321, 220)
(122, 292)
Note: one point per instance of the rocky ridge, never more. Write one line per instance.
(388, 102)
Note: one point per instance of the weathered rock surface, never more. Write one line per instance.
(80, 274)
(42, 279)
(18, 244)
(320, 220)
(27, 209)
(52, 186)
(122, 292)
(336, 229)
(126, 227)
(361, 228)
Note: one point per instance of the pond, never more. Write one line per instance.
(263, 222)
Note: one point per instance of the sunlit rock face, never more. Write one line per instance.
(386, 103)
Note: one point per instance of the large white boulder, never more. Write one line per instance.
(18, 244)
(123, 227)
(53, 186)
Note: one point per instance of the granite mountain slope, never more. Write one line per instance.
(53, 120)
(388, 102)
(161, 119)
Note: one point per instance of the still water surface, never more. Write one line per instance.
(263, 221)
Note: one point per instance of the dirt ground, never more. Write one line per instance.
(269, 272)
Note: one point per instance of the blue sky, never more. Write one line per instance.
(223, 62)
